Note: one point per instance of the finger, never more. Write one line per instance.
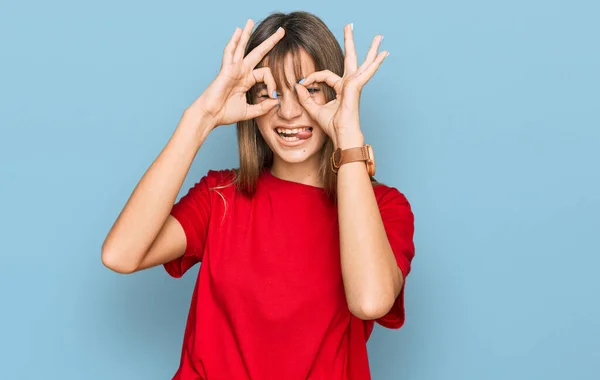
(241, 47)
(350, 61)
(372, 54)
(230, 48)
(256, 110)
(307, 101)
(325, 76)
(265, 75)
(259, 52)
(372, 68)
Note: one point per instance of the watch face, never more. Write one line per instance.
(337, 157)
(371, 161)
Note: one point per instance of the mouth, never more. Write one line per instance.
(294, 134)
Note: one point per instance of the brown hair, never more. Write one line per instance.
(303, 32)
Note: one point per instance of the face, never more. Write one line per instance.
(292, 135)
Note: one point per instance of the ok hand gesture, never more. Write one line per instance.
(340, 117)
(224, 101)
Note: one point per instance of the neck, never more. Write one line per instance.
(306, 172)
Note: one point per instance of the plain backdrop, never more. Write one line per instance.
(486, 115)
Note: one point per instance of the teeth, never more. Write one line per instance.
(290, 134)
(291, 131)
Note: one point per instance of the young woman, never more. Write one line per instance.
(301, 250)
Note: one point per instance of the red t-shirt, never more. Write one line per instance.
(269, 301)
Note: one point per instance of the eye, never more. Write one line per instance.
(265, 95)
(313, 90)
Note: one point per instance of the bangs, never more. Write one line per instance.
(275, 60)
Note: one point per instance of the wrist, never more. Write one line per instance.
(195, 117)
(194, 127)
(348, 139)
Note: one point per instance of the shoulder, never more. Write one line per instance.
(389, 195)
(213, 180)
(221, 178)
(393, 204)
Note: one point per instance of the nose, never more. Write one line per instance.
(289, 106)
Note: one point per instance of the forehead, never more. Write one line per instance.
(290, 68)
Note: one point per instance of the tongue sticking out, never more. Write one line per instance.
(303, 135)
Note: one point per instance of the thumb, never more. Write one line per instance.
(256, 110)
(306, 100)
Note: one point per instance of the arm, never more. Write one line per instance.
(372, 278)
(144, 234)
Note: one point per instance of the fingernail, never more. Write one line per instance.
(387, 54)
(381, 39)
(352, 26)
(274, 94)
(301, 80)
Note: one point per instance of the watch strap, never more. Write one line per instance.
(346, 156)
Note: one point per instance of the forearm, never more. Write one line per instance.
(150, 203)
(371, 276)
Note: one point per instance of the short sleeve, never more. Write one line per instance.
(398, 221)
(192, 212)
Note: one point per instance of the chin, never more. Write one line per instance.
(294, 157)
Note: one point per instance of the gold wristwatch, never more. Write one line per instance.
(361, 153)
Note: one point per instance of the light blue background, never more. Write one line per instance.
(486, 115)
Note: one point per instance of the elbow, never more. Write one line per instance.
(377, 300)
(372, 307)
(113, 260)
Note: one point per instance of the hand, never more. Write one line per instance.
(224, 101)
(340, 117)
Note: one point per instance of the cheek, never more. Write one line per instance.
(263, 124)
